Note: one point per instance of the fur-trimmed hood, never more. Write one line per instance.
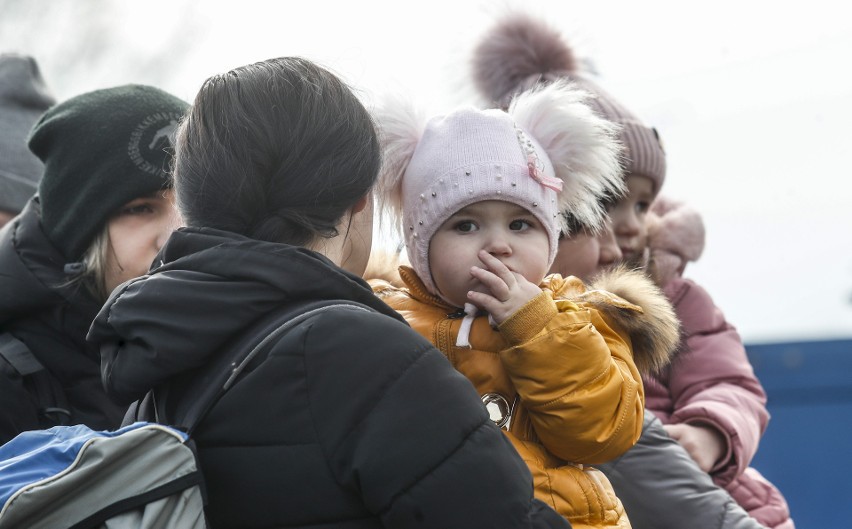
(654, 330)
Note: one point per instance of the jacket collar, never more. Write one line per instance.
(38, 304)
(417, 289)
(210, 286)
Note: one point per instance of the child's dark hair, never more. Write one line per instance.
(276, 150)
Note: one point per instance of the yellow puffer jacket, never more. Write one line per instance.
(562, 373)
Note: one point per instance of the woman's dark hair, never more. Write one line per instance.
(276, 150)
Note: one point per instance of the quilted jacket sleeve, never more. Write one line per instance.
(399, 425)
(576, 377)
(712, 382)
(662, 487)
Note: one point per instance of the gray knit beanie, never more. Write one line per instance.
(23, 98)
(520, 52)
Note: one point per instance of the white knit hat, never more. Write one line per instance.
(549, 153)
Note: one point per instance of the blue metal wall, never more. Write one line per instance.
(807, 449)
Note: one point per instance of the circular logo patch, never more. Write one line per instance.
(498, 408)
(151, 139)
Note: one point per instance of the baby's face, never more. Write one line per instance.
(628, 217)
(505, 230)
(585, 254)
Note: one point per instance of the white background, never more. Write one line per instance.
(753, 100)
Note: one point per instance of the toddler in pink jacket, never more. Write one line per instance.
(709, 397)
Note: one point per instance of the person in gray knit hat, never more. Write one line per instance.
(23, 98)
(520, 52)
(103, 210)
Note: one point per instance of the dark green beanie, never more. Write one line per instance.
(101, 150)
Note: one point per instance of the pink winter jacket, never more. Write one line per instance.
(711, 381)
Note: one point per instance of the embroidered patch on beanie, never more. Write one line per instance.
(151, 137)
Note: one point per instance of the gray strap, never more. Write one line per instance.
(18, 355)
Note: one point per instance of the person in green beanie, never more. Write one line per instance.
(103, 208)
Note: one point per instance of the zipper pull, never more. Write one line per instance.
(456, 315)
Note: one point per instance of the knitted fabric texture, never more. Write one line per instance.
(23, 98)
(644, 154)
(101, 150)
(471, 156)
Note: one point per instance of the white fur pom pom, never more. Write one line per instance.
(400, 127)
(582, 147)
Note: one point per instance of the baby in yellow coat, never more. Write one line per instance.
(479, 197)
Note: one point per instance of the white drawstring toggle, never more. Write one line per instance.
(470, 311)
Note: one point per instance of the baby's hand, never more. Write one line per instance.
(509, 291)
(704, 444)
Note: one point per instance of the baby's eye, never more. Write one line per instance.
(519, 225)
(642, 207)
(465, 226)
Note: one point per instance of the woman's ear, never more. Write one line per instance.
(359, 236)
(361, 204)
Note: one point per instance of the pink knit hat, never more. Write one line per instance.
(549, 153)
(520, 52)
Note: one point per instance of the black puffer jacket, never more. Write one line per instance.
(39, 308)
(333, 428)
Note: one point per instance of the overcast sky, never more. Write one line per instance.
(752, 99)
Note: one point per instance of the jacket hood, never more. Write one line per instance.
(50, 315)
(209, 286)
(32, 277)
(654, 331)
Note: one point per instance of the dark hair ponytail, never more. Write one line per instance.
(276, 151)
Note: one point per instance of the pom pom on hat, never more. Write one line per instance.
(519, 52)
(400, 127)
(548, 153)
(581, 146)
(23, 98)
(675, 237)
(516, 54)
